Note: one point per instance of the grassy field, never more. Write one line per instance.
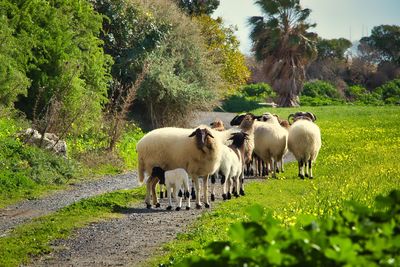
(358, 161)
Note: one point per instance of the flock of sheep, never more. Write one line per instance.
(255, 145)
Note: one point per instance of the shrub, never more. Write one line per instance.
(249, 97)
(357, 236)
(320, 89)
(390, 92)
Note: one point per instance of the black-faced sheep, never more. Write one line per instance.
(196, 151)
(304, 141)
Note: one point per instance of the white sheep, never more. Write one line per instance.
(231, 165)
(176, 180)
(197, 151)
(304, 141)
(270, 140)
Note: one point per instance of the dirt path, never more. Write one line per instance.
(22, 212)
(127, 241)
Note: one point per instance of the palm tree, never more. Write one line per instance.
(282, 41)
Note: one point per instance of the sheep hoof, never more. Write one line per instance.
(241, 192)
(187, 208)
(311, 177)
(301, 176)
(236, 194)
(198, 206)
(178, 208)
(161, 194)
(212, 197)
(158, 205)
(277, 171)
(224, 196)
(229, 196)
(251, 173)
(169, 208)
(306, 175)
(207, 205)
(148, 206)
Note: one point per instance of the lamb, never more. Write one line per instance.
(231, 166)
(304, 141)
(175, 180)
(270, 141)
(197, 151)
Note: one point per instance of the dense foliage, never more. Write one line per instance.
(356, 236)
(58, 50)
(249, 97)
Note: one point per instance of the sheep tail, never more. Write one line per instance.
(141, 170)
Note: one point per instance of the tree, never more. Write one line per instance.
(382, 45)
(65, 62)
(333, 48)
(198, 7)
(180, 77)
(282, 40)
(223, 47)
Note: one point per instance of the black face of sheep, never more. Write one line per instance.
(239, 138)
(202, 136)
(159, 173)
(237, 120)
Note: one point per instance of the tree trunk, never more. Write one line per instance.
(288, 100)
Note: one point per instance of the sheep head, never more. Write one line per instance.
(203, 138)
(239, 138)
(217, 125)
(237, 120)
(302, 116)
(159, 173)
(248, 122)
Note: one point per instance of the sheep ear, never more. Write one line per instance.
(193, 134)
(258, 117)
(209, 134)
(211, 124)
(311, 116)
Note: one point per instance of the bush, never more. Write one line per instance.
(390, 92)
(249, 97)
(357, 236)
(25, 169)
(320, 89)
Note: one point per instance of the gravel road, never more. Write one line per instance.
(24, 211)
(128, 241)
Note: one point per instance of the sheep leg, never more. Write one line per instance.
(282, 169)
(178, 200)
(224, 184)
(169, 197)
(205, 189)
(154, 193)
(301, 174)
(276, 170)
(310, 168)
(237, 182)
(197, 186)
(213, 180)
(230, 187)
(148, 192)
(186, 193)
(241, 184)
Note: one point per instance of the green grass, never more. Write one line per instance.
(358, 161)
(34, 238)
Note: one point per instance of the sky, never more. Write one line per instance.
(350, 19)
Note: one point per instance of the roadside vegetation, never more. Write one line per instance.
(33, 239)
(357, 162)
